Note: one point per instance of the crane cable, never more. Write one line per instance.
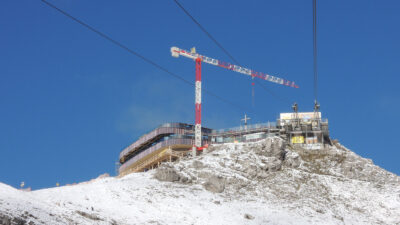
(281, 98)
(137, 54)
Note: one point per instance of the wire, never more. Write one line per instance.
(225, 51)
(315, 49)
(207, 33)
(137, 54)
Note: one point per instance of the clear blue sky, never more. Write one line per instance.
(71, 101)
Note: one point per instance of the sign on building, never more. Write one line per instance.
(297, 140)
(304, 116)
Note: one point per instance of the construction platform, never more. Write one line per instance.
(171, 141)
(167, 142)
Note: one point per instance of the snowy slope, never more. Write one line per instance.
(259, 183)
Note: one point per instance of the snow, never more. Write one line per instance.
(289, 195)
(136, 199)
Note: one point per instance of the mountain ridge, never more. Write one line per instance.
(265, 182)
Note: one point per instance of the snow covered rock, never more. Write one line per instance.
(215, 184)
(266, 182)
(167, 174)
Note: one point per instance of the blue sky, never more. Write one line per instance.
(71, 101)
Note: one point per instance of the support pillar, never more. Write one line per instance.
(194, 149)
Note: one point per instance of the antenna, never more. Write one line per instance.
(295, 108)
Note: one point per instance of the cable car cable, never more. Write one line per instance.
(138, 55)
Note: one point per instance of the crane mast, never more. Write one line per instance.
(197, 127)
(176, 52)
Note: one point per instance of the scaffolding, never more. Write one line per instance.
(171, 141)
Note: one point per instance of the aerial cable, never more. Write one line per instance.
(315, 50)
(206, 32)
(138, 55)
(226, 52)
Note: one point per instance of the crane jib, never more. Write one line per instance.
(177, 51)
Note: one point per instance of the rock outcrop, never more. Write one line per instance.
(266, 182)
(271, 169)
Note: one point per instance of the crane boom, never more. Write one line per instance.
(176, 52)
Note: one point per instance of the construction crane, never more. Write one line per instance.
(176, 52)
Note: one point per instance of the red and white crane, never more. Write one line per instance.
(176, 52)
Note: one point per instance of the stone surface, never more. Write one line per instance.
(248, 216)
(215, 184)
(167, 174)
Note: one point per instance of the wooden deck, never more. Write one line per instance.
(154, 159)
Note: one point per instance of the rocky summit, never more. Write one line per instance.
(265, 182)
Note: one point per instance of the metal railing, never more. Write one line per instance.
(246, 128)
(241, 138)
(166, 128)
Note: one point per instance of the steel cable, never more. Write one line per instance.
(227, 53)
(138, 55)
(315, 49)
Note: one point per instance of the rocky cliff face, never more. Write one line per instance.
(333, 181)
(267, 182)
